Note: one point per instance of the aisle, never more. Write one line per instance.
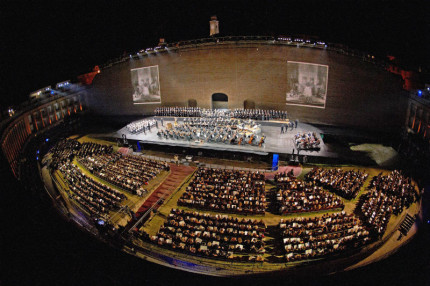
(171, 183)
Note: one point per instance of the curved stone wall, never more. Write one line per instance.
(359, 94)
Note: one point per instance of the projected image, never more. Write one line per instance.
(146, 85)
(307, 84)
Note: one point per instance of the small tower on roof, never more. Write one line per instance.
(214, 26)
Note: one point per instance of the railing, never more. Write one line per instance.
(209, 165)
(269, 40)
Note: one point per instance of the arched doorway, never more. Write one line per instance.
(219, 101)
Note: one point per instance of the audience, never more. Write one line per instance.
(226, 191)
(96, 198)
(295, 196)
(387, 195)
(307, 238)
(93, 149)
(63, 151)
(66, 149)
(129, 172)
(344, 183)
(214, 236)
(241, 192)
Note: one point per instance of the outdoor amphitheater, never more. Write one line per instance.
(233, 156)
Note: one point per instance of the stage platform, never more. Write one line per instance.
(275, 141)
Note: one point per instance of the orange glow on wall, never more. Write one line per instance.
(41, 117)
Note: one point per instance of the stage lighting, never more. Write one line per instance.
(47, 140)
(420, 93)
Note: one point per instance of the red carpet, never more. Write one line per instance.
(175, 178)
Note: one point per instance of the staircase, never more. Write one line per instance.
(406, 224)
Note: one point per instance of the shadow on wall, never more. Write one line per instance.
(249, 104)
(192, 102)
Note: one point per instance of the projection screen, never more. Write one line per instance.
(307, 84)
(146, 85)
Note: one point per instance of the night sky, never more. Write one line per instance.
(47, 42)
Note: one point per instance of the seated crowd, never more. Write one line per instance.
(295, 196)
(141, 125)
(259, 114)
(307, 238)
(93, 149)
(63, 151)
(226, 191)
(387, 195)
(66, 149)
(345, 183)
(96, 198)
(307, 140)
(214, 236)
(129, 172)
(178, 111)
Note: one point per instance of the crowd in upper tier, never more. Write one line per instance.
(129, 172)
(345, 183)
(63, 151)
(294, 196)
(66, 149)
(387, 195)
(306, 140)
(96, 198)
(141, 125)
(306, 238)
(93, 149)
(214, 236)
(226, 191)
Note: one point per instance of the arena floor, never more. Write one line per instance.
(378, 250)
(275, 141)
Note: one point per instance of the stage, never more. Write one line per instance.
(275, 141)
